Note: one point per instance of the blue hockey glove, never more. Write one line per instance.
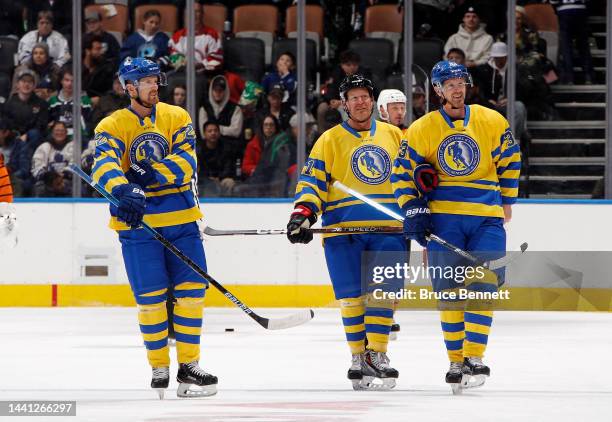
(417, 223)
(301, 218)
(141, 173)
(131, 207)
(425, 178)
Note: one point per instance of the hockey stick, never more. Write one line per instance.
(491, 265)
(270, 324)
(344, 230)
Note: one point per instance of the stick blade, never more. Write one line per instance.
(290, 321)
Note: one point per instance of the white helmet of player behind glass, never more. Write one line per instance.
(388, 96)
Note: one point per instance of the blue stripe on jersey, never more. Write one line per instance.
(178, 132)
(484, 182)
(406, 191)
(321, 185)
(155, 328)
(358, 212)
(106, 159)
(110, 174)
(176, 170)
(402, 176)
(512, 166)
(509, 152)
(414, 156)
(352, 198)
(463, 194)
(118, 141)
(495, 152)
(172, 202)
(509, 183)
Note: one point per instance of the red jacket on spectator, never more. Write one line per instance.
(208, 50)
(252, 154)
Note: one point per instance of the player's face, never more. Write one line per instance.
(148, 90)
(396, 112)
(359, 103)
(454, 91)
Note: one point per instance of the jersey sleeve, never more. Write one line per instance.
(313, 183)
(411, 153)
(106, 169)
(507, 158)
(178, 167)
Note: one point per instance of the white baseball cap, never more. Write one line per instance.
(499, 49)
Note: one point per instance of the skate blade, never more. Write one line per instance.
(356, 385)
(473, 381)
(160, 392)
(377, 384)
(186, 390)
(456, 388)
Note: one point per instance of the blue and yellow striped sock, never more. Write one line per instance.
(453, 329)
(188, 313)
(352, 310)
(153, 319)
(477, 329)
(378, 321)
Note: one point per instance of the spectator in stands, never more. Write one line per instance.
(44, 90)
(334, 113)
(98, 72)
(149, 41)
(268, 129)
(27, 116)
(208, 51)
(61, 10)
(11, 18)
(312, 135)
(275, 106)
(179, 96)
(60, 106)
(216, 164)
(532, 88)
(93, 27)
(472, 39)
(50, 162)
(42, 64)
(491, 79)
(58, 46)
(7, 145)
(573, 25)
(284, 77)
(109, 102)
(226, 113)
(418, 102)
(432, 12)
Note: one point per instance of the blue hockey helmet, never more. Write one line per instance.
(134, 69)
(445, 70)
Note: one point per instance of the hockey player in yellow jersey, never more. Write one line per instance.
(145, 156)
(358, 153)
(471, 151)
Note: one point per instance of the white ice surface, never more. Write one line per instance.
(545, 367)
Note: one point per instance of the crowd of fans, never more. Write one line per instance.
(247, 129)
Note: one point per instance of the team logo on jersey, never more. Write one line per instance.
(458, 155)
(371, 164)
(508, 139)
(150, 146)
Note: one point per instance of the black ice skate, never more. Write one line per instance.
(375, 367)
(354, 372)
(476, 372)
(454, 377)
(160, 380)
(395, 329)
(191, 375)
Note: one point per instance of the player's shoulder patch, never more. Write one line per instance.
(507, 139)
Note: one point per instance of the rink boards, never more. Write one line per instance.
(67, 256)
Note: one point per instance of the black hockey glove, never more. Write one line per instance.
(425, 178)
(302, 218)
(141, 173)
(131, 207)
(417, 223)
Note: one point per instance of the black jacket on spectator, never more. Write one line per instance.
(110, 43)
(100, 80)
(489, 82)
(216, 162)
(11, 18)
(23, 116)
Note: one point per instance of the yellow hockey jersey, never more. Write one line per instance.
(360, 160)
(477, 160)
(167, 140)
